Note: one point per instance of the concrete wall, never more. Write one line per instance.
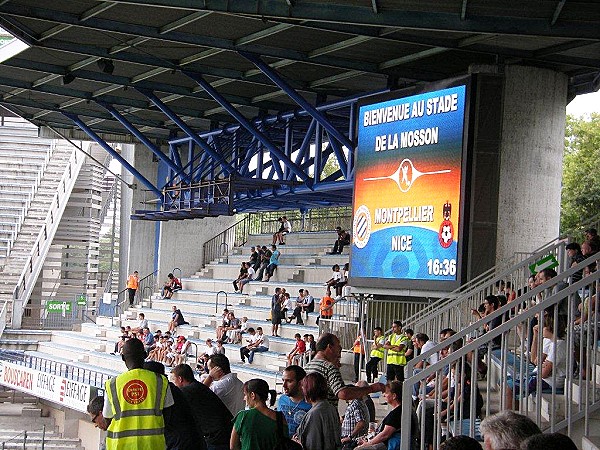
(532, 146)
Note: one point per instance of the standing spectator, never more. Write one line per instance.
(256, 427)
(410, 346)
(211, 416)
(137, 420)
(356, 420)
(178, 434)
(291, 403)
(285, 227)
(224, 383)
(327, 363)
(276, 314)
(172, 285)
(507, 429)
(298, 350)
(396, 356)
(273, 262)
(176, 320)
(326, 307)
(320, 428)
(343, 238)
(359, 353)
(377, 352)
(133, 283)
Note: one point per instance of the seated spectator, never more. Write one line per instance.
(507, 429)
(593, 240)
(227, 315)
(177, 354)
(265, 257)
(121, 341)
(273, 262)
(172, 285)
(554, 360)
(259, 343)
(249, 277)
(343, 238)
(232, 328)
(291, 403)
(243, 274)
(311, 345)
(297, 351)
(143, 323)
(320, 426)
(304, 303)
(339, 287)
(256, 427)
(335, 277)
(205, 354)
(234, 336)
(153, 355)
(388, 431)
(148, 339)
(286, 305)
(462, 393)
(176, 320)
(224, 383)
(548, 441)
(220, 348)
(284, 228)
(254, 258)
(460, 443)
(356, 420)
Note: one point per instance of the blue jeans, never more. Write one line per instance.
(259, 350)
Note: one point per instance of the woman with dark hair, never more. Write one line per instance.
(255, 428)
(320, 429)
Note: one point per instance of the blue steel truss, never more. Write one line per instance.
(300, 159)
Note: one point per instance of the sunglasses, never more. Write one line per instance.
(95, 417)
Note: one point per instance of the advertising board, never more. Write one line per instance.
(51, 387)
(408, 190)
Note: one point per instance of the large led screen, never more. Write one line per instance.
(407, 191)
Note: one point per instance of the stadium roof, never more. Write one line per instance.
(85, 54)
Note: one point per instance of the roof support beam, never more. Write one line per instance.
(102, 143)
(227, 168)
(248, 126)
(142, 138)
(301, 101)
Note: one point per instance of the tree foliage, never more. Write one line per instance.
(581, 173)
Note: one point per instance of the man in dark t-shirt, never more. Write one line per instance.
(212, 418)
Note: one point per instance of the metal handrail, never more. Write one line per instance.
(24, 440)
(236, 234)
(438, 313)
(512, 356)
(217, 301)
(143, 283)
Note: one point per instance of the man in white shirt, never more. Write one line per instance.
(225, 384)
(260, 344)
(423, 343)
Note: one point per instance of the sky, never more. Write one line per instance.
(584, 104)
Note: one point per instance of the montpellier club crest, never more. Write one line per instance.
(361, 226)
(446, 233)
(135, 392)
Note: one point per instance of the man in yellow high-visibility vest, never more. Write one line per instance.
(396, 353)
(134, 403)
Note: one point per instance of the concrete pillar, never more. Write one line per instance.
(533, 127)
(138, 237)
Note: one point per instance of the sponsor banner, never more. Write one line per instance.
(55, 388)
(407, 192)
